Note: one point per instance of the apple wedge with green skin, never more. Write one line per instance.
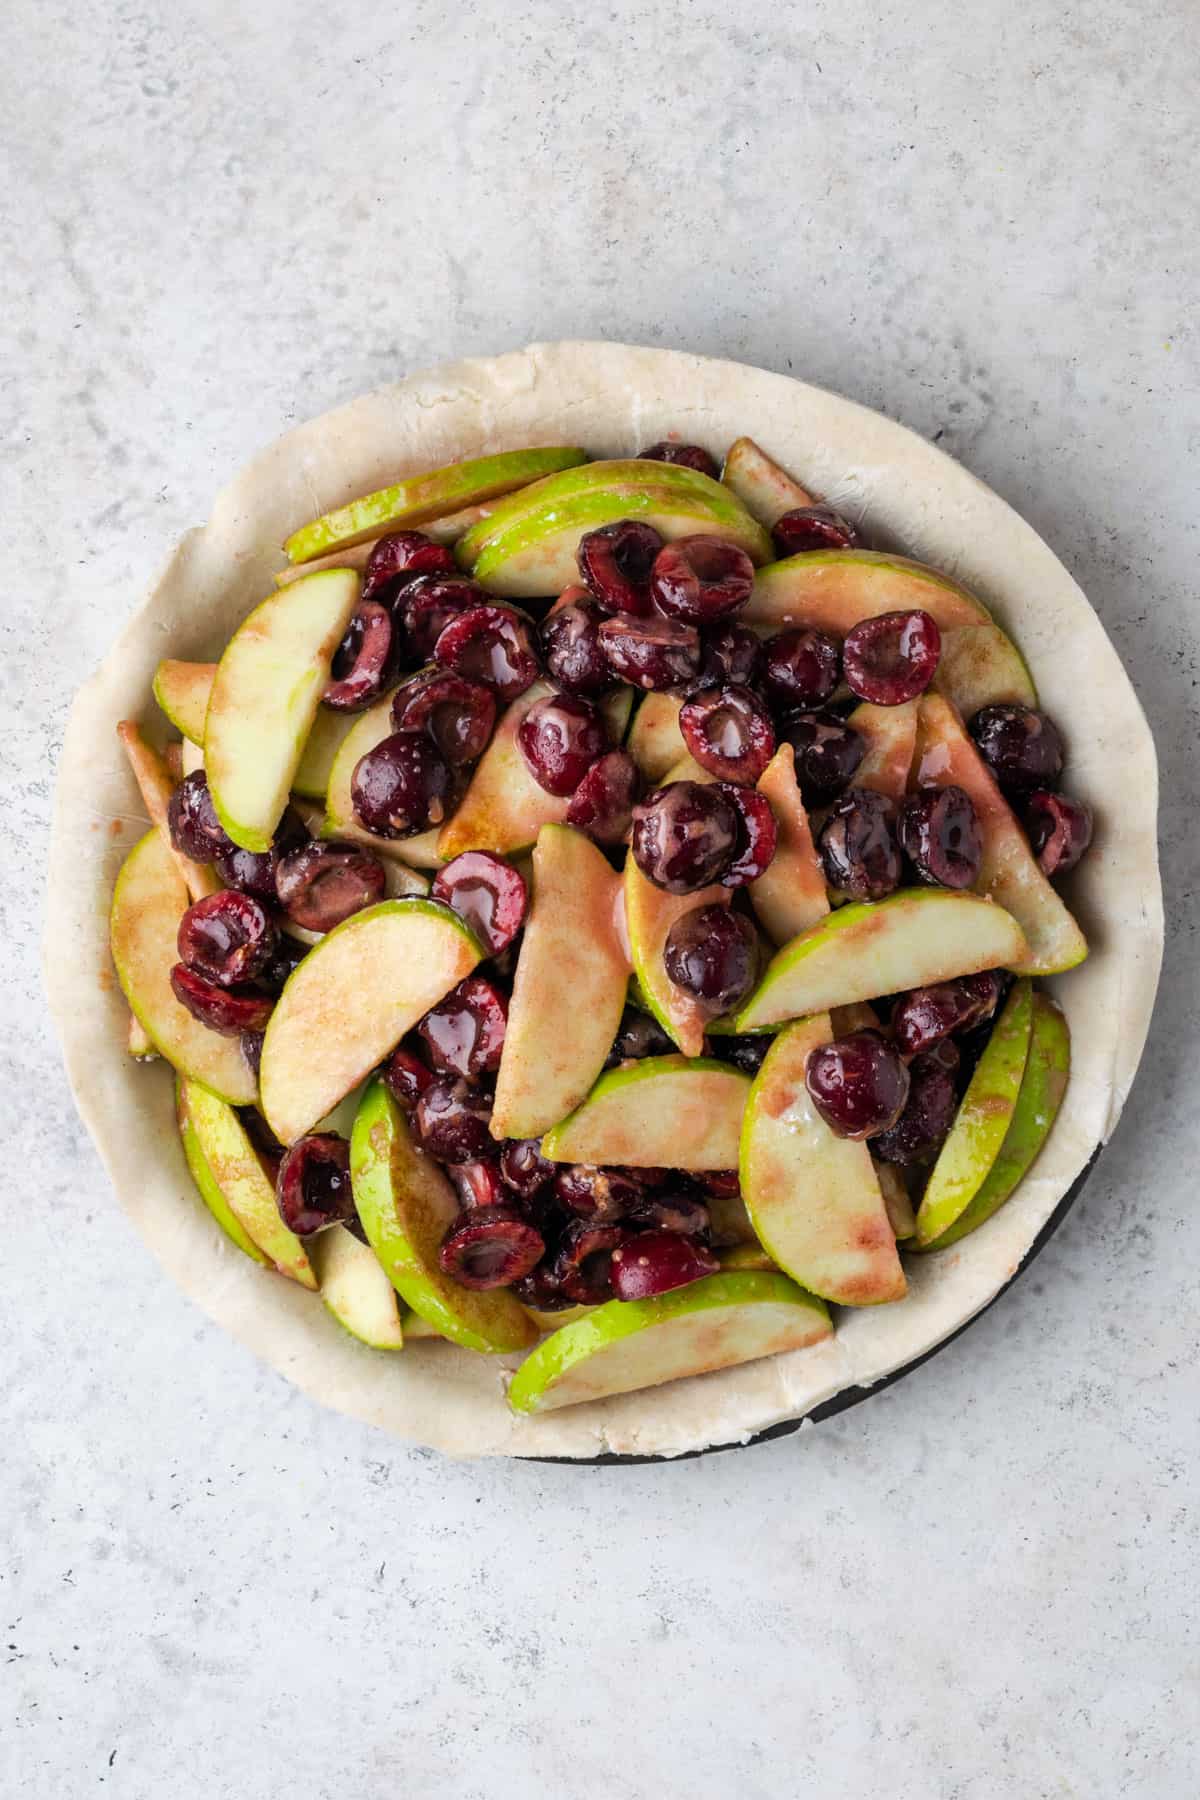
(368, 729)
(206, 1182)
(890, 733)
(673, 1112)
(156, 787)
(405, 1205)
(138, 1042)
(914, 938)
(1043, 1085)
(182, 690)
(569, 988)
(736, 1257)
(790, 896)
(945, 756)
(348, 1004)
(428, 496)
(149, 900)
(625, 1345)
(981, 666)
(649, 916)
(503, 809)
(833, 590)
(444, 530)
(982, 1121)
(264, 700)
(655, 740)
(356, 1290)
(813, 1197)
(237, 1171)
(764, 489)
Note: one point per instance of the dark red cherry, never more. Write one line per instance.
(927, 1015)
(455, 714)
(918, 1133)
(451, 1120)
(492, 644)
(729, 732)
(600, 1195)
(701, 579)
(464, 1033)
(397, 559)
(524, 1169)
(406, 1075)
(478, 1183)
(490, 1247)
(228, 1011)
(712, 954)
(427, 605)
(801, 668)
(602, 804)
(571, 647)
(322, 883)
(859, 849)
(891, 658)
(639, 1035)
(312, 1188)
(253, 872)
(1060, 830)
(192, 820)
(730, 653)
(583, 1261)
(227, 938)
(401, 787)
(488, 893)
(654, 1262)
(540, 1289)
(615, 563)
(724, 1184)
(858, 1084)
(745, 1052)
(812, 528)
(651, 653)
(1021, 746)
(673, 1207)
(560, 738)
(285, 959)
(684, 456)
(365, 661)
(686, 835)
(940, 835)
(828, 751)
(758, 835)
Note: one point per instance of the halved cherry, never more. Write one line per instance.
(651, 653)
(457, 714)
(560, 738)
(615, 563)
(583, 1261)
(524, 1169)
(464, 1033)
(699, 579)
(223, 1010)
(757, 835)
(1060, 830)
(427, 605)
(729, 732)
(600, 1195)
(684, 456)
(489, 893)
(891, 658)
(399, 558)
(478, 1183)
(654, 1262)
(227, 938)
(812, 528)
(366, 659)
(324, 882)
(602, 804)
(492, 644)
(312, 1187)
(490, 1247)
(570, 640)
(406, 1075)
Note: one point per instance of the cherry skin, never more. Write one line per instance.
(919, 1132)
(492, 644)
(401, 787)
(615, 563)
(488, 893)
(891, 658)
(940, 835)
(859, 849)
(684, 456)
(464, 1033)
(701, 579)
(312, 1188)
(398, 558)
(655, 1262)
(451, 1120)
(1021, 746)
(712, 954)
(490, 1247)
(560, 738)
(827, 751)
(571, 647)
(758, 835)
(652, 653)
(227, 938)
(406, 1076)
(801, 668)
(858, 1084)
(1060, 830)
(807, 528)
(729, 732)
(230, 1012)
(457, 715)
(928, 1015)
(685, 836)
(322, 883)
(602, 805)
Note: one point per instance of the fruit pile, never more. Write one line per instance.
(599, 902)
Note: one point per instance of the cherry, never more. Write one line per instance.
(679, 1211)
(253, 872)
(686, 835)
(928, 1116)
(746, 1052)
(654, 1262)
(490, 1247)
(478, 1183)
(892, 657)
(927, 1015)
(699, 579)
(312, 1188)
(224, 1010)
(1021, 746)
(801, 667)
(322, 883)
(285, 959)
(489, 893)
(602, 804)
(464, 1033)
(729, 732)
(600, 1195)
(571, 647)
(406, 1076)
(615, 563)
(685, 456)
(859, 849)
(396, 559)
(524, 1169)
(653, 653)
(730, 653)
(427, 605)
(858, 1084)
(758, 835)
(583, 1261)
(192, 820)
(1060, 830)
(560, 738)
(492, 644)
(940, 835)
(365, 661)
(541, 1291)
(639, 1035)
(457, 715)
(812, 528)
(712, 954)
(451, 1120)
(401, 787)
(828, 751)
(227, 938)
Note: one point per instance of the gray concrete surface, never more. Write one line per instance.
(215, 219)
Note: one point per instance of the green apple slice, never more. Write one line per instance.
(673, 1112)
(655, 740)
(891, 734)
(503, 808)
(182, 690)
(264, 699)
(206, 1182)
(616, 709)
(763, 488)
(405, 1205)
(427, 496)
(569, 988)
(237, 1171)
(982, 1121)
(447, 529)
(356, 1289)
(138, 1042)
(833, 590)
(149, 900)
(813, 1197)
(348, 1004)
(981, 666)
(790, 896)
(746, 1256)
(917, 936)
(946, 756)
(1042, 1088)
(649, 916)
(630, 1344)
(366, 730)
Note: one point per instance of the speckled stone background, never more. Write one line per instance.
(218, 218)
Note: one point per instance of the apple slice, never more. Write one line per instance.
(891, 736)
(148, 902)
(237, 1171)
(833, 590)
(791, 895)
(405, 1204)
(138, 1042)
(670, 1112)
(503, 808)
(946, 756)
(813, 1197)
(981, 666)
(155, 786)
(896, 1199)
(649, 916)
(746, 1256)
(630, 1344)
(428, 496)
(206, 1183)
(348, 1004)
(264, 699)
(569, 988)
(763, 488)
(367, 730)
(356, 1289)
(444, 530)
(982, 1121)
(655, 740)
(182, 690)
(1042, 1088)
(916, 937)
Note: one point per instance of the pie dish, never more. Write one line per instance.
(614, 399)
